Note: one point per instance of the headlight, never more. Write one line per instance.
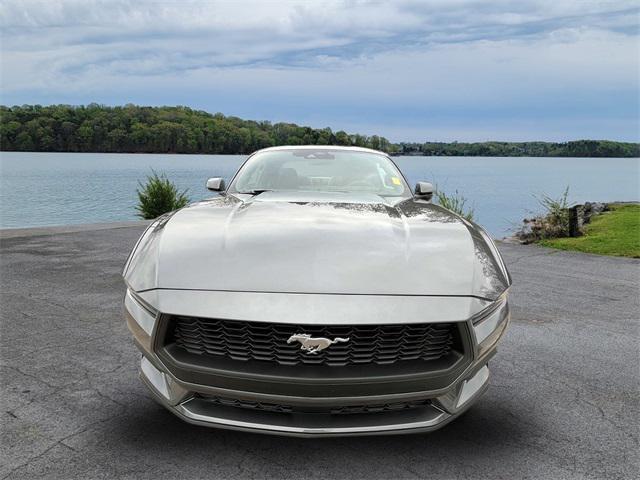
(490, 322)
(140, 270)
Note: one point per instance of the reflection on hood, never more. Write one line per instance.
(318, 243)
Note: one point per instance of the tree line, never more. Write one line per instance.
(137, 129)
(577, 148)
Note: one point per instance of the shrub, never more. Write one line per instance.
(552, 223)
(456, 203)
(158, 196)
(556, 214)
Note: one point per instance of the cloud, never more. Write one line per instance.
(452, 67)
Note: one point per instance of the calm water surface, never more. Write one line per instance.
(38, 189)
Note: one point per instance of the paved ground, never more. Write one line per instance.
(564, 400)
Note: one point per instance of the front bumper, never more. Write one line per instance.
(179, 398)
(192, 401)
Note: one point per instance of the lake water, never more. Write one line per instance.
(38, 189)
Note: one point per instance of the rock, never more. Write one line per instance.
(592, 208)
(539, 227)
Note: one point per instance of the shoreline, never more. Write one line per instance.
(43, 230)
(6, 233)
(247, 154)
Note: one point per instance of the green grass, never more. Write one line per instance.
(616, 232)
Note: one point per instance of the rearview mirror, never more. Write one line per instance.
(216, 184)
(424, 190)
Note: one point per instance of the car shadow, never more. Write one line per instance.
(481, 433)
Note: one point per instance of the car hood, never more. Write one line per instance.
(318, 243)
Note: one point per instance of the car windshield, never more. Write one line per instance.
(322, 170)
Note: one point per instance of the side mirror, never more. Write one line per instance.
(216, 184)
(424, 190)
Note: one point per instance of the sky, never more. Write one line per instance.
(433, 70)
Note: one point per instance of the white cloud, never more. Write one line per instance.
(328, 62)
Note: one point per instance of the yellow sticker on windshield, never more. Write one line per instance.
(396, 181)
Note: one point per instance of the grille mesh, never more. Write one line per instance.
(342, 410)
(267, 342)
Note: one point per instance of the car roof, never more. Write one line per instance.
(321, 147)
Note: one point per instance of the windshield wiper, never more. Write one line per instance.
(257, 191)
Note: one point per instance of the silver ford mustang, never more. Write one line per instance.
(316, 295)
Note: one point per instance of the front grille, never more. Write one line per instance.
(267, 342)
(341, 410)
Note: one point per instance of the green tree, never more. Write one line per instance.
(132, 128)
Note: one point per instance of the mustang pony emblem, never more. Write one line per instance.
(314, 345)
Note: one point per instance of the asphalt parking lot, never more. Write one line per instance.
(563, 401)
